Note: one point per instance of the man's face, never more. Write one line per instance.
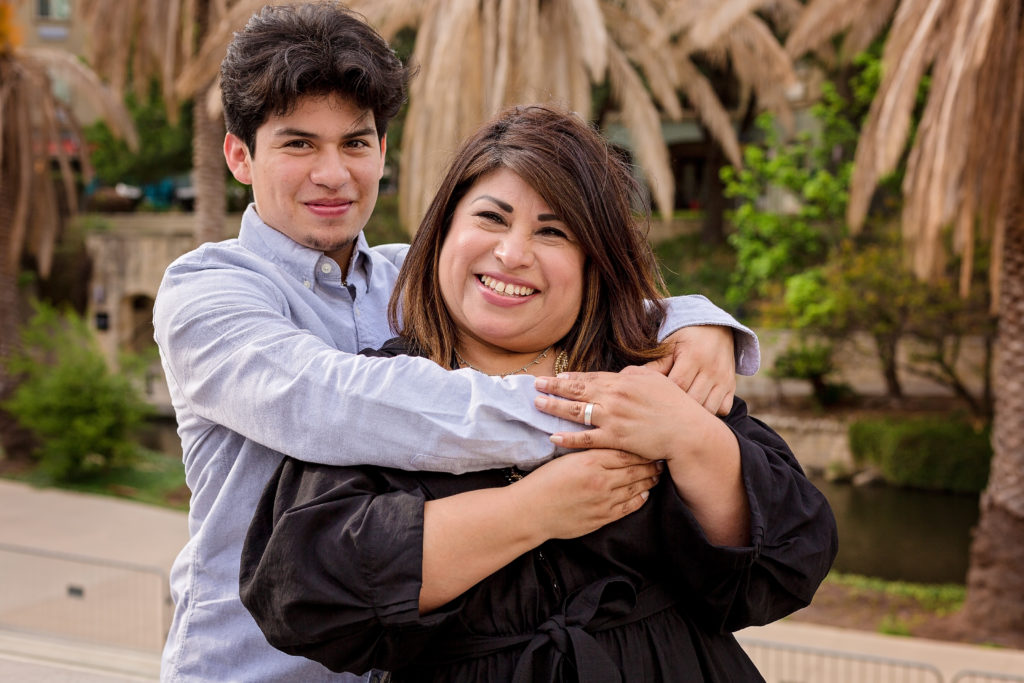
(315, 173)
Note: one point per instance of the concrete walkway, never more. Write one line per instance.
(70, 609)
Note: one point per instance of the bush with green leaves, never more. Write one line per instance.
(83, 414)
(799, 266)
(940, 452)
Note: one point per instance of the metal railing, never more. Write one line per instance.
(985, 677)
(83, 598)
(787, 663)
(784, 663)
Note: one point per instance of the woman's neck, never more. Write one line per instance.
(493, 361)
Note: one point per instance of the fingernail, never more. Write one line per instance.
(562, 375)
(556, 439)
(645, 495)
(541, 383)
(660, 465)
(540, 402)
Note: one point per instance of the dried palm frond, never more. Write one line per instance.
(862, 21)
(641, 118)
(88, 85)
(34, 125)
(717, 19)
(908, 53)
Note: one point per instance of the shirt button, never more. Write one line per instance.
(306, 283)
(325, 267)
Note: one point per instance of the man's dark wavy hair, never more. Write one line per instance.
(315, 49)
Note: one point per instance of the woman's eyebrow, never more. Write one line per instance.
(504, 206)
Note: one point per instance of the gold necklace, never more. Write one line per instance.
(543, 354)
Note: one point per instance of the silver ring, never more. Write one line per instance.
(588, 413)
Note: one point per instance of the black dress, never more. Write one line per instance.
(331, 570)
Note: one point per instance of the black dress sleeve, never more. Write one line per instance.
(793, 538)
(332, 566)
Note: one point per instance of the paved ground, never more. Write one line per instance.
(83, 600)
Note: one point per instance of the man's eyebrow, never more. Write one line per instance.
(299, 133)
(504, 206)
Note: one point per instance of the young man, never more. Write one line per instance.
(257, 334)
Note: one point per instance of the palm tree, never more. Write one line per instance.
(35, 127)
(477, 57)
(964, 180)
(157, 38)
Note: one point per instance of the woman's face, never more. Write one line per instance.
(511, 272)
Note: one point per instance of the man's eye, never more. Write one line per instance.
(297, 144)
(358, 143)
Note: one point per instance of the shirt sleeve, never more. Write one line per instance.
(793, 538)
(331, 567)
(238, 360)
(694, 309)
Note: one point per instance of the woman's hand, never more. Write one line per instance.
(638, 410)
(469, 536)
(642, 411)
(582, 491)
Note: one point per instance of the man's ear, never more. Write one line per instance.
(236, 153)
(383, 149)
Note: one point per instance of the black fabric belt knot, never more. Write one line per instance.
(563, 647)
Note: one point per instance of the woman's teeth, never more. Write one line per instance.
(506, 288)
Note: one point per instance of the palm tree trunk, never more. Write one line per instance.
(9, 304)
(208, 165)
(995, 583)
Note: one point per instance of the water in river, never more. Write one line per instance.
(902, 534)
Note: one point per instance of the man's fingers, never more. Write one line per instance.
(662, 365)
(725, 407)
(700, 389)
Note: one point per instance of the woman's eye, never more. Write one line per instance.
(491, 217)
(554, 232)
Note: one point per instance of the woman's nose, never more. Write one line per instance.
(514, 250)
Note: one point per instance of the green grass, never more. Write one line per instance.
(154, 478)
(941, 598)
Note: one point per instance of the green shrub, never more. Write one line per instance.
(83, 415)
(942, 453)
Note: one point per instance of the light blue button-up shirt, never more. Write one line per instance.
(258, 337)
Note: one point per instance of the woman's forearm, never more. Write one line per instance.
(469, 536)
(709, 478)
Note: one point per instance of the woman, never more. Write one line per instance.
(529, 260)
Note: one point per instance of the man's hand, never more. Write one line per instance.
(703, 364)
(581, 492)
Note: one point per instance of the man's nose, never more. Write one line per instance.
(330, 170)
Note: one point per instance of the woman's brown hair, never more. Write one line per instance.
(571, 166)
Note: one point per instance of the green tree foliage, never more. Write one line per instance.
(164, 149)
(798, 265)
(83, 414)
(941, 453)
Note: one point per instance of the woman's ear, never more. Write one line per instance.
(236, 154)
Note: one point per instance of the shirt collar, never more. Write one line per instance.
(297, 260)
